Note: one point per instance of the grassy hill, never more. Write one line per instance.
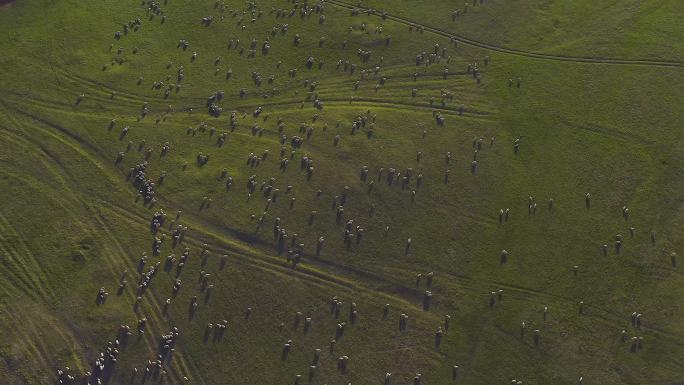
(517, 168)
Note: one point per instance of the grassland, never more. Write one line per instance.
(591, 90)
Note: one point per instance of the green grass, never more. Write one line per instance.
(70, 221)
(612, 29)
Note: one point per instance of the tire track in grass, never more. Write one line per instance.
(30, 263)
(315, 272)
(17, 252)
(610, 317)
(19, 266)
(154, 314)
(87, 150)
(490, 47)
(55, 126)
(127, 97)
(25, 255)
(148, 338)
(501, 285)
(606, 317)
(20, 324)
(94, 85)
(63, 105)
(365, 101)
(67, 338)
(16, 277)
(265, 263)
(154, 303)
(276, 269)
(111, 263)
(53, 164)
(359, 103)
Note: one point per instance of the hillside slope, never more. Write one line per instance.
(446, 201)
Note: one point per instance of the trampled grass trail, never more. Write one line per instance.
(352, 193)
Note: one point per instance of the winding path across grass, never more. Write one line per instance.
(487, 46)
